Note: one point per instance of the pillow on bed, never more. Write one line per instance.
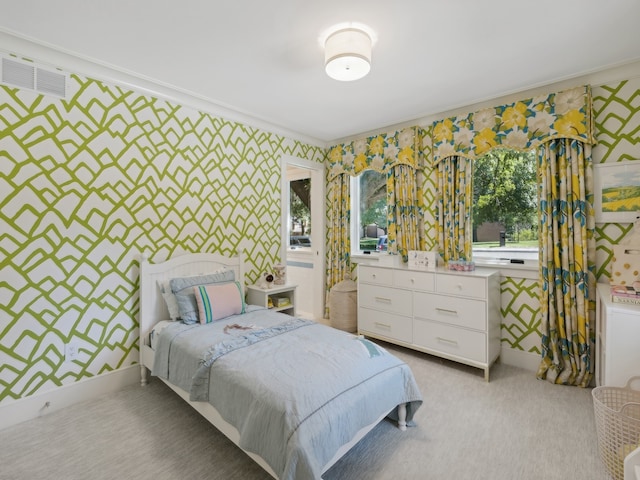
(182, 288)
(218, 301)
(170, 299)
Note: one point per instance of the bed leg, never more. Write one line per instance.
(402, 416)
(143, 375)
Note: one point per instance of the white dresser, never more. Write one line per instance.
(454, 315)
(617, 340)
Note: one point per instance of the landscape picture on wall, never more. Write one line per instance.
(617, 191)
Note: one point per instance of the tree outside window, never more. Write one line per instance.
(504, 183)
(300, 208)
(372, 212)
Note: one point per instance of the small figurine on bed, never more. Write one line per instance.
(266, 281)
(280, 272)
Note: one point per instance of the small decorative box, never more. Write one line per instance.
(281, 301)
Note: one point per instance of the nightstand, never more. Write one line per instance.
(280, 298)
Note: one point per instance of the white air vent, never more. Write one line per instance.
(18, 74)
(28, 75)
(51, 82)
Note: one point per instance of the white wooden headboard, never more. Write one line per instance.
(152, 306)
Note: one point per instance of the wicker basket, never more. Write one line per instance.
(617, 414)
(343, 305)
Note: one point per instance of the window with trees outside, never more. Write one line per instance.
(369, 212)
(300, 213)
(505, 210)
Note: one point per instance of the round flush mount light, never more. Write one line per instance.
(347, 54)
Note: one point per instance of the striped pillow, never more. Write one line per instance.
(218, 301)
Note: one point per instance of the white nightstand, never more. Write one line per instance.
(281, 298)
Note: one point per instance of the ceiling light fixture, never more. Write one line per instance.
(347, 54)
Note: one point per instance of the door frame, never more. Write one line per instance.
(318, 213)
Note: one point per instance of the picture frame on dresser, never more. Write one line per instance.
(421, 260)
(617, 191)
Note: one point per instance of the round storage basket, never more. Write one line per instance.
(343, 305)
(617, 414)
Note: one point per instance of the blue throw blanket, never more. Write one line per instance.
(294, 389)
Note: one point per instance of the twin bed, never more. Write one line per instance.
(293, 394)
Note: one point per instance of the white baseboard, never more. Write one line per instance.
(40, 404)
(518, 358)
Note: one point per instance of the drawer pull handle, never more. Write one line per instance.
(446, 340)
(444, 310)
(383, 299)
(383, 325)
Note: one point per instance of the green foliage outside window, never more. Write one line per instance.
(504, 184)
(300, 206)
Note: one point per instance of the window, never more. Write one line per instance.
(369, 212)
(505, 210)
(299, 208)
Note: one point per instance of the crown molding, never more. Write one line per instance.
(21, 46)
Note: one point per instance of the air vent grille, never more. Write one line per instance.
(51, 82)
(18, 74)
(28, 75)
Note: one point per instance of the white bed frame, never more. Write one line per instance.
(153, 309)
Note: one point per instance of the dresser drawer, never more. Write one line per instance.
(463, 312)
(414, 280)
(375, 275)
(450, 340)
(466, 286)
(387, 299)
(385, 324)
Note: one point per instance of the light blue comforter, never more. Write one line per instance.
(295, 390)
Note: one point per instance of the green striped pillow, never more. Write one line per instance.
(218, 301)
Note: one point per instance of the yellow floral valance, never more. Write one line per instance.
(379, 152)
(520, 126)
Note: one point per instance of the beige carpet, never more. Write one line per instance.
(515, 427)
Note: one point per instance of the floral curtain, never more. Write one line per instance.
(521, 126)
(405, 211)
(399, 155)
(338, 242)
(380, 152)
(567, 262)
(454, 203)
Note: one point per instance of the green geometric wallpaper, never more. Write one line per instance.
(617, 111)
(90, 182)
(520, 310)
(429, 194)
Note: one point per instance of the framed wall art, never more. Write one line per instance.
(617, 191)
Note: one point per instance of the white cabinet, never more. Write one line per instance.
(455, 315)
(617, 340)
(281, 298)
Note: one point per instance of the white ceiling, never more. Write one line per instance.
(264, 58)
